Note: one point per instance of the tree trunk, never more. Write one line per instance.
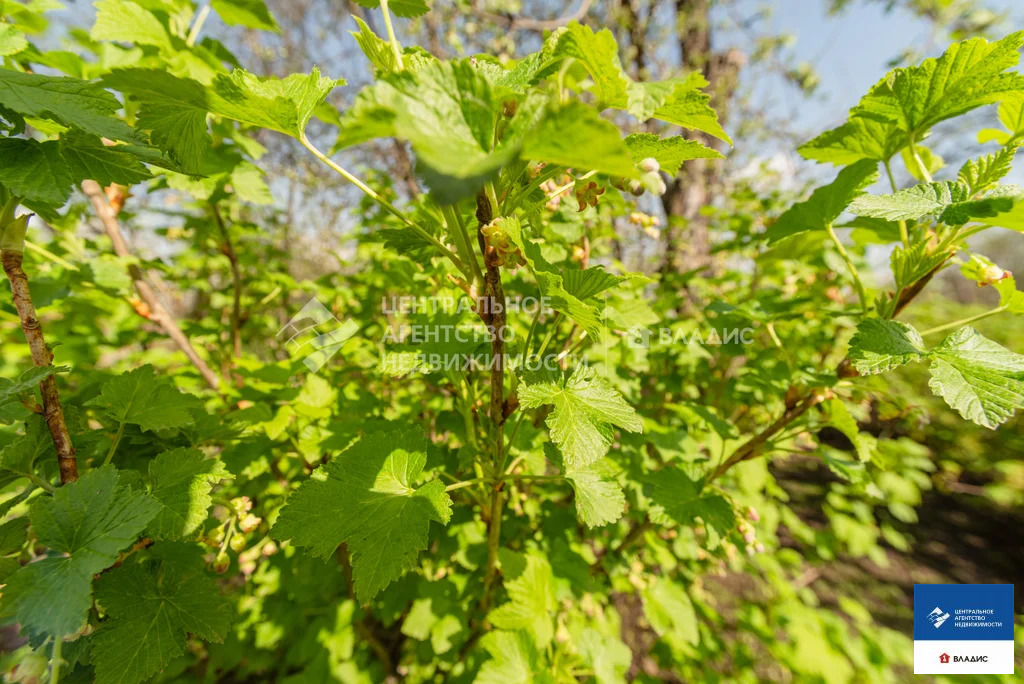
(687, 238)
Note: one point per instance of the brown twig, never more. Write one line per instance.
(907, 295)
(752, 447)
(228, 249)
(157, 312)
(494, 316)
(53, 413)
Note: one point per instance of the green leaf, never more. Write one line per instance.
(912, 263)
(982, 173)
(1010, 296)
(46, 171)
(531, 601)
(675, 101)
(968, 75)
(857, 139)
(88, 158)
(35, 170)
(407, 9)
(181, 480)
(606, 653)
(172, 109)
(249, 13)
(514, 659)
(575, 135)
(948, 201)
(912, 203)
(687, 106)
(670, 611)
(670, 152)
(585, 410)
(1002, 206)
(12, 41)
(376, 49)
(366, 498)
(129, 22)
(446, 111)
(285, 105)
(10, 390)
(826, 203)
(566, 289)
(681, 499)
(68, 101)
(982, 380)
(88, 522)
(141, 398)
(1011, 115)
(881, 345)
(17, 459)
(599, 54)
(842, 420)
(599, 498)
(151, 609)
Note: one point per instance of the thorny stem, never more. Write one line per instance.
(390, 208)
(396, 47)
(157, 312)
(11, 257)
(849, 264)
(966, 321)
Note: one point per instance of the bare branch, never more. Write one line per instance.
(157, 312)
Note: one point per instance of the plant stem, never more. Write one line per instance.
(965, 321)
(236, 282)
(904, 236)
(56, 660)
(849, 264)
(50, 256)
(466, 483)
(457, 227)
(197, 25)
(494, 317)
(751, 448)
(392, 209)
(917, 159)
(548, 172)
(551, 333)
(157, 312)
(559, 190)
(396, 47)
(53, 412)
(114, 444)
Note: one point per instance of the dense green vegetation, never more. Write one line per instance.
(479, 448)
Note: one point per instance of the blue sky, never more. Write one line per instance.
(851, 51)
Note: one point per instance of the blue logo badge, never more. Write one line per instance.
(963, 612)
